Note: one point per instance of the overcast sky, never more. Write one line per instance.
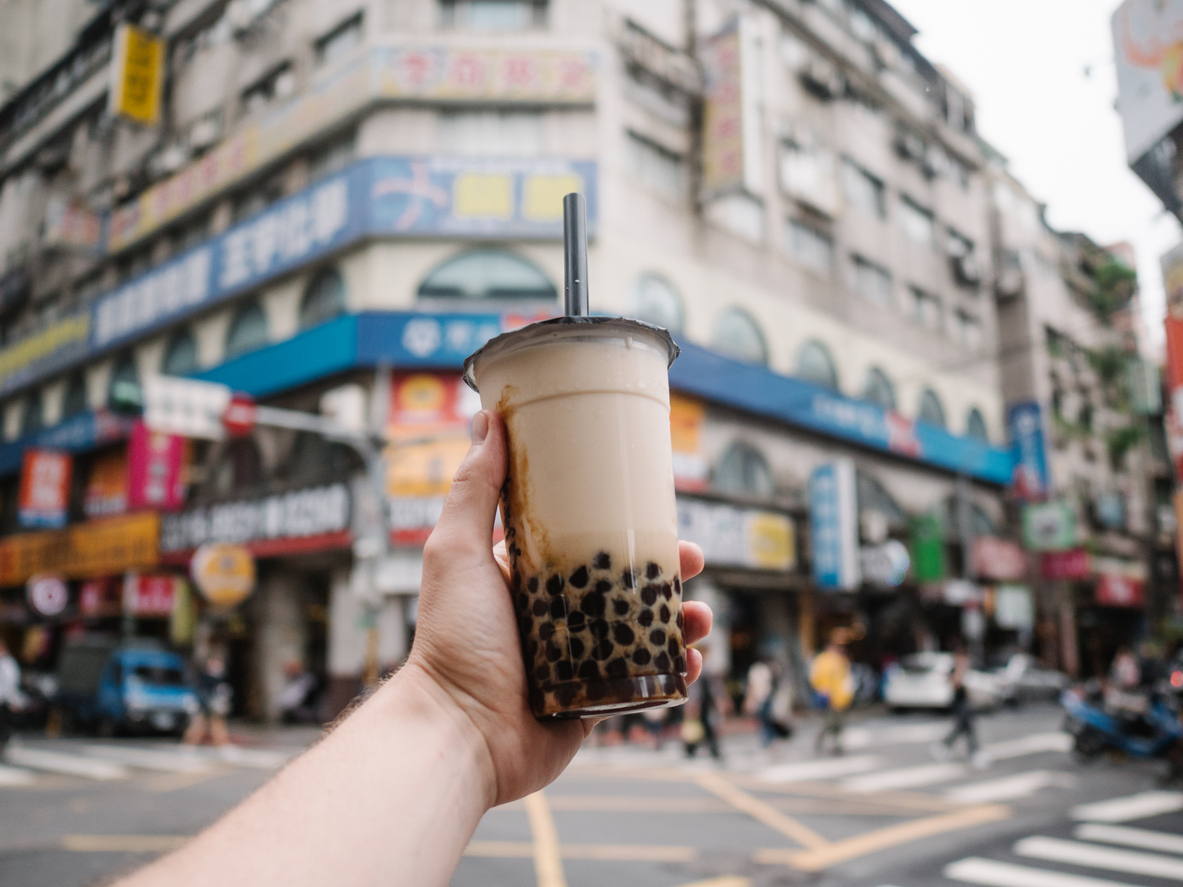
(1025, 62)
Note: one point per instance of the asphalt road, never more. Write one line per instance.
(886, 814)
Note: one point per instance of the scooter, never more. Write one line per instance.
(1154, 733)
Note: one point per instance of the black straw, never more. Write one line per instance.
(575, 255)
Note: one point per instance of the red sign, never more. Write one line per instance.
(1070, 564)
(155, 469)
(1174, 326)
(45, 488)
(1117, 590)
(151, 595)
(106, 488)
(98, 597)
(995, 558)
(240, 416)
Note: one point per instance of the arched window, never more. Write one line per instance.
(815, 365)
(655, 300)
(743, 470)
(248, 330)
(324, 298)
(32, 413)
(931, 409)
(738, 335)
(975, 426)
(180, 355)
(74, 401)
(123, 391)
(487, 274)
(877, 388)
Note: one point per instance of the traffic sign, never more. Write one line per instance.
(187, 407)
(240, 416)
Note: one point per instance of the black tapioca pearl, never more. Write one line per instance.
(595, 691)
(602, 562)
(599, 629)
(511, 532)
(558, 608)
(666, 591)
(679, 663)
(677, 585)
(531, 649)
(649, 595)
(532, 585)
(617, 668)
(657, 637)
(589, 670)
(565, 695)
(553, 652)
(620, 607)
(674, 647)
(602, 650)
(542, 672)
(680, 620)
(579, 578)
(593, 603)
(662, 661)
(623, 635)
(564, 670)
(628, 578)
(664, 613)
(652, 571)
(603, 586)
(540, 608)
(575, 648)
(554, 584)
(645, 618)
(546, 631)
(642, 656)
(576, 620)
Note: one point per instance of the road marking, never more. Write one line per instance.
(727, 881)
(810, 771)
(1028, 745)
(760, 811)
(149, 759)
(14, 776)
(905, 777)
(992, 873)
(603, 852)
(636, 804)
(1131, 837)
(548, 864)
(905, 734)
(1136, 806)
(57, 762)
(1009, 788)
(505, 849)
(1096, 856)
(169, 782)
(881, 839)
(262, 759)
(122, 843)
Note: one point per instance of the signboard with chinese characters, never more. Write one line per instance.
(106, 488)
(150, 594)
(833, 524)
(1025, 423)
(686, 418)
(224, 573)
(95, 548)
(731, 133)
(729, 536)
(1060, 565)
(1149, 78)
(137, 74)
(45, 488)
(155, 469)
(999, 559)
(429, 433)
(1049, 526)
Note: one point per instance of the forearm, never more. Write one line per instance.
(392, 796)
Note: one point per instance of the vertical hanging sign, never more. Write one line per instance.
(45, 488)
(833, 524)
(137, 75)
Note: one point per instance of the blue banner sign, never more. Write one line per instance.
(1024, 422)
(833, 525)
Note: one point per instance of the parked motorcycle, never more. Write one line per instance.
(1154, 731)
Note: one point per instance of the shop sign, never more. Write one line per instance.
(885, 565)
(53, 348)
(995, 558)
(299, 516)
(106, 488)
(686, 418)
(98, 598)
(1049, 526)
(429, 433)
(223, 573)
(45, 488)
(928, 548)
(151, 594)
(1013, 607)
(1061, 565)
(84, 432)
(1024, 421)
(1115, 590)
(137, 74)
(751, 538)
(412, 519)
(155, 469)
(69, 225)
(833, 524)
(95, 548)
(731, 149)
(48, 594)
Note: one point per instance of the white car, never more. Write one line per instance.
(922, 680)
(1022, 679)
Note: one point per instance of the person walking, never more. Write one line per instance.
(757, 700)
(214, 693)
(963, 714)
(701, 712)
(11, 697)
(831, 680)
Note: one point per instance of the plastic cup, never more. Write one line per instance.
(589, 513)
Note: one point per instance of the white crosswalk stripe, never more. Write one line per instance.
(1009, 788)
(856, 738)
(1096, 856)
(15, 776)
(995, 873)
(177, 760)
(1034, 744)
(829, 768)
(59, 762)
(1136, 806)
(1131, 837)
(904, 777)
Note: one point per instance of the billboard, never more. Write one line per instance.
(731, 134)
(45, 488)
(137, 74)
(1024, 423)
(833, 524)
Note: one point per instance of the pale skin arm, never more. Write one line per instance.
(393, 795)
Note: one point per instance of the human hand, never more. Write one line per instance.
(466, 652)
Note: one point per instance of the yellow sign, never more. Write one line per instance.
(72, 331)
(137, 74)
(772, 543)
(542, 198)
(95, 548)
(223, 573)
(481, 195)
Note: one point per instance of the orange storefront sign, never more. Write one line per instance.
(96, 548)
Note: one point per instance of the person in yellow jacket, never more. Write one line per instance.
(833, 683)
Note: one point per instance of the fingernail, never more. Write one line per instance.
(480, 427)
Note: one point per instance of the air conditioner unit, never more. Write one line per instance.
(966, 269)
(910, 146)
(1010, 284)
(822, 78)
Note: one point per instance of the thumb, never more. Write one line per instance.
(472, 501)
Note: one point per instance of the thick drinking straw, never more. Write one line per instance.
(575, 255)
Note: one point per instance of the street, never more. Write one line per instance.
(80, 811)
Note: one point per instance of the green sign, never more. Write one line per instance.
(928, 548)
(1049, 526)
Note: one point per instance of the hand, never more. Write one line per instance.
(466, 650)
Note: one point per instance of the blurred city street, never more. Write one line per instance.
(74, 812)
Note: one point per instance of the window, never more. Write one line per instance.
(871, 281)
(744, 471)
(932, 410)
(957, 244)
(815, 365)
(74, 401)
(332, 157)
(493, 15)
(738, 335)
(32, 413)
(863, 190)
(975, 426)
(926, 308)
(967, 330)
(810, 247)
(808, 174)
(655, 300)
(877, 388)
(123, 391)
(917, 223)
(659, 168)
(248, 330)
(255, 199)
(487, 274)
(490, 133)
(180, 355)
(338, 42)
(276, 85)
(324, 298)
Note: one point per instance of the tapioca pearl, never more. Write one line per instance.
(595, 691)
(657, 637)
(620, 607)
(515, 582)
(521, 602)
(540, 608)
(617, 668)
(602, 561)
(599, 629)
(593, 603)
(674, 647)
(575, 647)
(642, 656)
(565, 696)
(628, 578)
(546, 631)
(555, 584)
(666, 591)
(578, 579)
(589, 670)
(680, 664)
(576, 620)
(662, 661)
(531, 648)
(645, 618)
(680, 621)
(602, 650)
(677, 585)
(652, 570)
(558, 608)
(623, 635)
(564, 670)
(553, 652)
(649, 595)
(604, 586)
(542, 673)
(664, 613)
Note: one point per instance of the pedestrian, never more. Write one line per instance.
(757, 700)
(11, 697)
(298, 699)
(393, 794)
(1125, 672)
(214, 693)
(963, 714)
(831, 679)
(699, 725)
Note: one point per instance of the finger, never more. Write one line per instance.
(691, 558)
(501, 555)
(693, 665)
(471, 505)
(698, 619)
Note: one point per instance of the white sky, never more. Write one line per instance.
(1024, 61)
